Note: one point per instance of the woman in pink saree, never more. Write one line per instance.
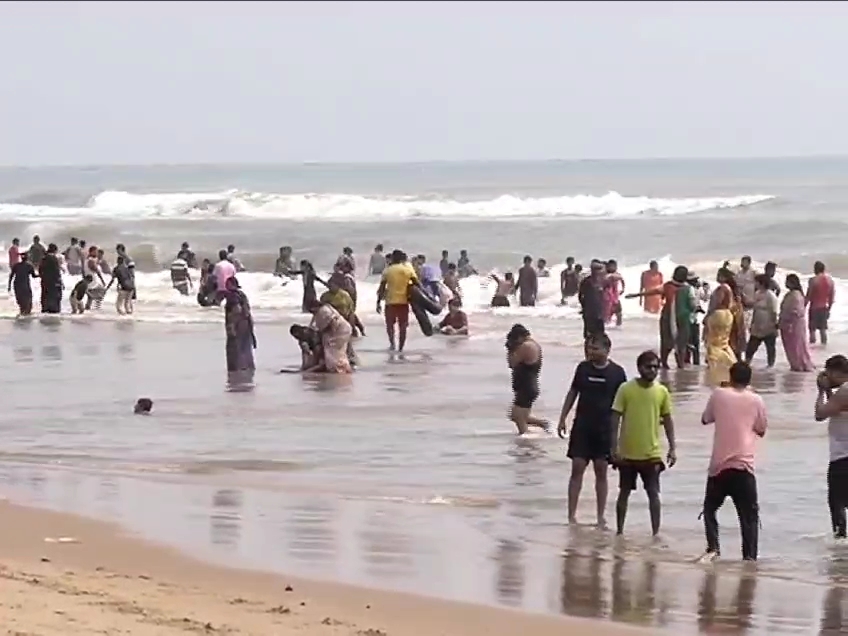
(793, 326)
(335, 334)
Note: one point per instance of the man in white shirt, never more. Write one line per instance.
(223, 271)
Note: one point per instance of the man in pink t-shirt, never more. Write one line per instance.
(223, 271)
(739, 417)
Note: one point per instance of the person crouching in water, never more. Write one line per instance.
(456, 322)
(505, 288)
(309, 341)
(78, 295)
(341, 301)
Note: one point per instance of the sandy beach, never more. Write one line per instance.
(104, 582)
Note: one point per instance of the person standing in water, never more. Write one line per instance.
(503, 290)
(231, 256)
(739, 418)
(187, 255)
(223, 271)
(97, 288)
(394, 289)
(793, 326)
(568, 281)
(528, 284)
(613, 289)
(180, 276)
(14, 253)
(640, 408)
(121, 275)
(590, 294)
(19, 278)
(764, 321)
(651, 281)
(73, 257)
(463, 266)
(37, 252)
(524, 357)
(832, 405)
(307, 271)
(594, 386)
(238, 322)
(377, 264)
(78, 294)
(51, 281)
(284, 265)
(103, 264)
(821, 293)
(444, 264)
(455, 322)
(542, 270)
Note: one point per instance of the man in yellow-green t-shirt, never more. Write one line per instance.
(640, 408)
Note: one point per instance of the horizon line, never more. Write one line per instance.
(328, 163)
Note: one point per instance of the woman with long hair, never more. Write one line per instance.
(793, 326)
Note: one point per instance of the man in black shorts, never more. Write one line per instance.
(591, 296)
(641, 407)
(596, 381)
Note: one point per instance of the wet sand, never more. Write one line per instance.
(407, 476)
(103, 582)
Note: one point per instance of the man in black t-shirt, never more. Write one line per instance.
(596, 381)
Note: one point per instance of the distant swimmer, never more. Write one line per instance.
(187, 255)
(524, 357)
(143, 407)
(231, 256)
(180, 276)
(284, 266)
(821, 294)
(455, 323)
(125, 285)
(568, 280)
(444, 263)
(346, 261)
(652, 280)
(739, 419)
(542, 270)
(463, 265)
(394, 289)
(613, 289)
(640, 409)
(527, 284)
(19, 278)
(78, 294)
(504, 289)
(377, 264)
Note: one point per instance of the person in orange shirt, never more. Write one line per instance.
(652, 279)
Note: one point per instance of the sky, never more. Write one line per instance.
(86, 83)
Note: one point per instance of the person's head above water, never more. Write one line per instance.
(648, 365)
(143, 406)
(231, 248)
(516, 336)
(740, 375)
(597, 348)
(454, 305)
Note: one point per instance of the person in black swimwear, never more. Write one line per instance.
(590, 295)
(593, 389)
(524, 356)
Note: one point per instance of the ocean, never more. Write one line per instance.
(407, 474)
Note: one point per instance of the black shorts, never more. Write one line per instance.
(648, 470)
(592, 326)
(818, 318)
(525, 397)
(590, 441)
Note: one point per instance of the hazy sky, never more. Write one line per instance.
(172, 82)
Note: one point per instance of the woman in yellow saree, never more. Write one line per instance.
(719, 330)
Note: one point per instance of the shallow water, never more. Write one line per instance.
(407, 475)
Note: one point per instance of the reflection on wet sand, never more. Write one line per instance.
(793, 382)
(733, 617)
(310, 530)
(764, 381)
(225, 518)
(510, 577)
(582, 592)
(387, 546)
(833, 615)
(51, 352)
(639, 603)
(240, 381)
(23, 354)
(683, 384)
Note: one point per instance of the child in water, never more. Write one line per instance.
(78, 294)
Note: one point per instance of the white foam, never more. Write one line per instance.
(349, 207)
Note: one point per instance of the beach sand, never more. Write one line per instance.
(107, 583)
